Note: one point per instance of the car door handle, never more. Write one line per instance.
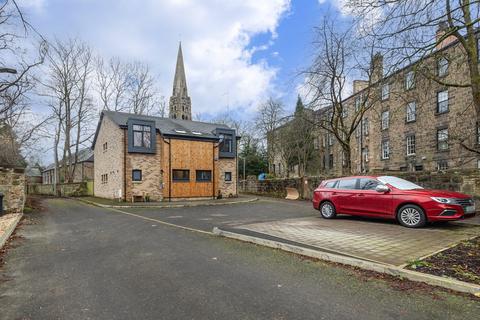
(360, 195)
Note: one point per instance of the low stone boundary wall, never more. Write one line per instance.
(462, 181)
(63, 189)
(12, 185)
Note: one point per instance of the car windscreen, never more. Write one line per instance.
(399, 183)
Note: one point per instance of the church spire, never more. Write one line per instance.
(180, 103)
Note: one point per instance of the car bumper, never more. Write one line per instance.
(449, 213)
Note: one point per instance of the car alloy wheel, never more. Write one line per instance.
(327, 210)
(412, 216)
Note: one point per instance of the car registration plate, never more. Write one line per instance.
(470, 209)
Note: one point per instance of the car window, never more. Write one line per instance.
(368, 184)
(330, 184)
(399, 183)
(348, 184)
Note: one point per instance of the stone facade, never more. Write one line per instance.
(151, 185)
(109, 160)
(115, 165)
(12, 186)
(226, 188)
(420, 129)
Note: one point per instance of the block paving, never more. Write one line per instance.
(379, 241)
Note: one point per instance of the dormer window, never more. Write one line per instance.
(227, 144)
(141, 136)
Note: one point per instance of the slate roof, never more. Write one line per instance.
(84, 155)
(170, 127)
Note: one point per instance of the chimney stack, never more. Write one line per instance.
(377, 68)
(441, 31)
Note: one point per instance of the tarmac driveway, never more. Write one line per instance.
(297, 222)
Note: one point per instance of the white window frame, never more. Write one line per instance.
(365, 126)
(385, 91)
(411, 145)
(330, 139)
(385, 149)
(442, 165)
(411, 111)
(385, 119)
(442, 66)
(410, 80)
(443, 95)
(442, 138)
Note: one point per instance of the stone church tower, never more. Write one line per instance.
(180, 103)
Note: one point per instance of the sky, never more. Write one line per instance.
(237, 53)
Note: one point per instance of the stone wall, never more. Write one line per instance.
(226, 188)
(12, 186)
(466, 181)
(109, 161)
(78, 189)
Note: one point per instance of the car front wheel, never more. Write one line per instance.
(327, 210)
(411, 216)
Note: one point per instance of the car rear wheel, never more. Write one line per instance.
(411, 216)
(327, 210)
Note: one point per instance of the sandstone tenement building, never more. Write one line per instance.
(414, 124)
(139, 157)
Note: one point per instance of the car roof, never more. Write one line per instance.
(352, 177)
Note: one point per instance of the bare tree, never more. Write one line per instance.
(142, 94)
(112, 83)
(16, 62)
(68, 89)
(408, 31)
(338, 59)
(269, 117)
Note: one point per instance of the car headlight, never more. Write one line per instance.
(442, 200)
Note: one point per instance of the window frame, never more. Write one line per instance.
(181, 179)
(447, 108)
(385, 96)
(225, 176)
(385, 152)
(442, 165)
(439, 66)
(410, 80)
(385, 120)
(133, 175)
(132, 148)
(409, 117)
(228, 135)
(411, 144)
(443, 141)
(203, 180)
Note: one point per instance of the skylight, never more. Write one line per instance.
(180, 131)
(196, 133)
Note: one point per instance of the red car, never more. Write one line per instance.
(390, 197)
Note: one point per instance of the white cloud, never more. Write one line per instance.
(216, 38)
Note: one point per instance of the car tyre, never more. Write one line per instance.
(411, 216)
(327, 210)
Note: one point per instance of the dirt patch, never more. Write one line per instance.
(461, 262)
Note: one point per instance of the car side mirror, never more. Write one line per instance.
(381, 188)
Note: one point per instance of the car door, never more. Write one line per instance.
(343, 195)
(368, 201)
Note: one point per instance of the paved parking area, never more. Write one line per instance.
(77, 261)
(381, 241)
(375, 240)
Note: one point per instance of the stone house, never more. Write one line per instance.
(84, 169)
(414, 124)
(139, 157)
